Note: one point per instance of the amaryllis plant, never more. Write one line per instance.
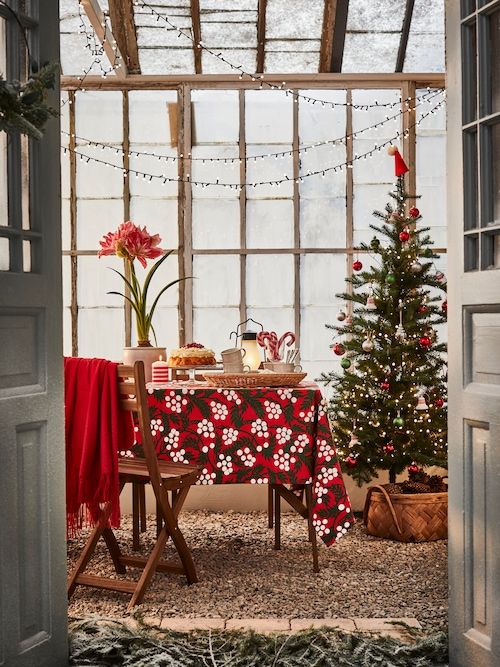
(130, 242)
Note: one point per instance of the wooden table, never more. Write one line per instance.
(256, 436)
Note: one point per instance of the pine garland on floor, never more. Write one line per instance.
(105, 642)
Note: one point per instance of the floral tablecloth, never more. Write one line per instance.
(255, 436)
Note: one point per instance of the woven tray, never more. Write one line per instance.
(415, 517)
(254, 379)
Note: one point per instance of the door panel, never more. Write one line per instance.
(474, 334)
(33, 607)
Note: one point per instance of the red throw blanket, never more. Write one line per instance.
(96, 429)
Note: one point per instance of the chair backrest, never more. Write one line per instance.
(133, 398)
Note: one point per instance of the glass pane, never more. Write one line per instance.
(490, 175)
(471, 252)
(469, 73)
(490, 250)
(468, 6)
(4, 198)
(4, 254)
(25, 182)
(27, 256)
(494, 59)
(470, 180)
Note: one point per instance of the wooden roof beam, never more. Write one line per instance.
(105, 36)
(405, 32)
(196, 23)
(339, 35)
(261, 36)
(326, 48)
(121, 14)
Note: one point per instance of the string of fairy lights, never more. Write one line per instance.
(425, 99)
(272, 183)
(92, 41)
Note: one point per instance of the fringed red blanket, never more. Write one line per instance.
(96, 429)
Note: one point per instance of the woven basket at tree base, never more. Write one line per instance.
(416, 517)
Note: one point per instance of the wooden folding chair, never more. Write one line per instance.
(275, 493)
(163, 476)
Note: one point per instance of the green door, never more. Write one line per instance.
(33, 608)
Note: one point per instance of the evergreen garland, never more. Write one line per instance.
(106, 642)
(23, 106)
(373, 410)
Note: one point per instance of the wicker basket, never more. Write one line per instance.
(406, 517)
(254, 379)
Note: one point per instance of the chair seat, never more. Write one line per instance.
(173, 475)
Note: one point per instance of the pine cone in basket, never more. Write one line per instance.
(437, 484)
(393, 488)
(415, 487)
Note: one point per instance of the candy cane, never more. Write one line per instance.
(291, 336)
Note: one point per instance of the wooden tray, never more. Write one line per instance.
(254, 379)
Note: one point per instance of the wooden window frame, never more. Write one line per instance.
(407, 84)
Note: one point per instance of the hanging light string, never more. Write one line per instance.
(96, 45)
(260, 77)
(249, 158)
(274, 182)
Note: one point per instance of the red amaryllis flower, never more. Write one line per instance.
(131, 242)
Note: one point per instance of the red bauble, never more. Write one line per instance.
(338, 349)
(351, 461)
(413, 468)
(444, 306)
(414, 212)
(385, 385)
(389, 448)
(425, 342)
(357, 266)
(422, 309)
(439, 402)
(404, 236)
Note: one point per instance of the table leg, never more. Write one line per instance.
(142, 507)
(312, 531)
(277, 519)
(270, 505)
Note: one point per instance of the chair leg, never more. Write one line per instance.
(149, 570)
(159, 521)
(270, 505)
(142, 507)
(135, 515)
(312, 531)
(88, 549)
(114, 550)
(277, 518)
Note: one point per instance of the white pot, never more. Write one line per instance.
(145, 354)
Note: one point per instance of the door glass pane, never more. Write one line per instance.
(490, 250)
(471, 252)
(4, 200)
(470, 180)
(494, 58)
(469, 73)
(468, 6)
(25, 181)
(4, 254)
(490, 175)
(27, 256)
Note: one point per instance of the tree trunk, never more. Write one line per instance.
(392, 476)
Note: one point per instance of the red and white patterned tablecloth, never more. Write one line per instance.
(255, 436)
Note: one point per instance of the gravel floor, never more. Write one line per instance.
(241, 576)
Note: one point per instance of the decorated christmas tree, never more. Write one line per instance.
(388, 406)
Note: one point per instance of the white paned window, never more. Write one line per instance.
(269, 280)
(216, 280)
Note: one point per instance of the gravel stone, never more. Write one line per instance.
(241, 576)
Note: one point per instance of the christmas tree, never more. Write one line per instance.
(388, 406)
